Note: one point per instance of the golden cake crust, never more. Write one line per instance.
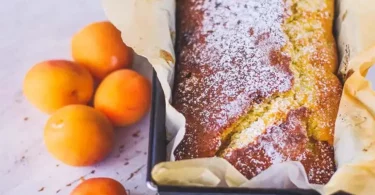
(255, 82)
(216, 84)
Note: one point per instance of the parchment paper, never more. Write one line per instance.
(148, 27)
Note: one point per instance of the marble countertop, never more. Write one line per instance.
(33, 31)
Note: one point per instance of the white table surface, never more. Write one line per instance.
(33, 31)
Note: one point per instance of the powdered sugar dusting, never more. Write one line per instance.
(228, 61)
(277, 108)
(287, 141)
(315, 88)
(236, 59)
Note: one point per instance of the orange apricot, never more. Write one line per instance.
(99, 186)
(52, 84)
(78, 135)
(99, 48)
(124, 97)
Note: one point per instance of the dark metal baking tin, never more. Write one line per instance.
(157, 153)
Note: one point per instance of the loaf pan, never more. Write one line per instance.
(157, 153)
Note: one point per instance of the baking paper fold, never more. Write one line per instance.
(148, 26)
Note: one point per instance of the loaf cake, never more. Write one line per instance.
(255, 80)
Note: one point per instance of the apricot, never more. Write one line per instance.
(79, 135)
(52, 84)
(99, 186)
(99, 48)
(124, 97)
